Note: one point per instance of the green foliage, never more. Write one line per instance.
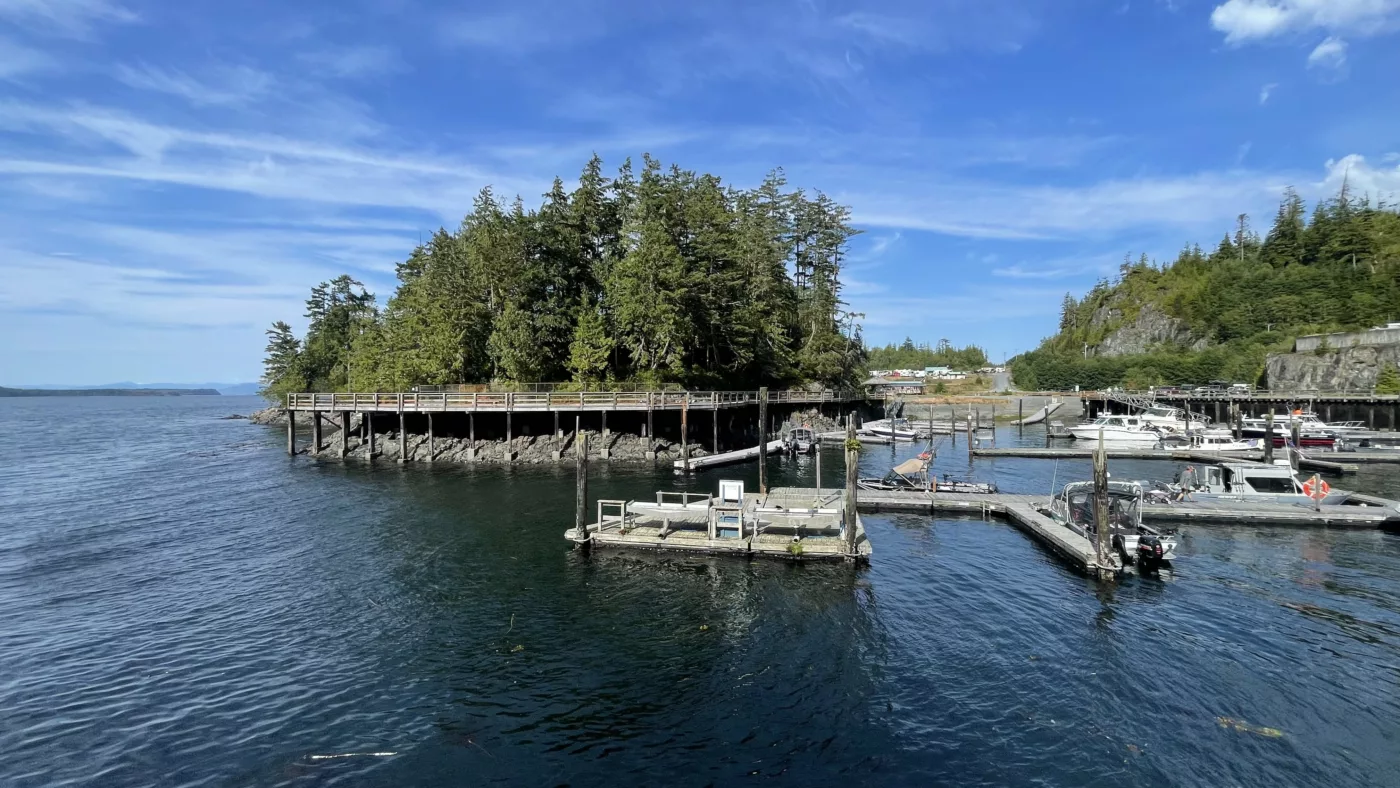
(1339, 271)
(1388, 381)
(910, 356)
(667, 277)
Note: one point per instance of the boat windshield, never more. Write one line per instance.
(1122, 508)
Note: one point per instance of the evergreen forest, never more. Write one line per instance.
(661, 277)
(1250, 296)
(908, 355)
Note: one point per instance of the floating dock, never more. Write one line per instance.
(788, 523)
(727, 458)
(1178, 455)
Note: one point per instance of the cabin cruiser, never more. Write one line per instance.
(898, 429)
(1136, 543)
(800, 440)
(1118, 429)
(1223, 440)
(1169, 419)
(913, 475)
(1312, 431)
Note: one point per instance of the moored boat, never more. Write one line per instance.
(1147, 547)
(1117, 429)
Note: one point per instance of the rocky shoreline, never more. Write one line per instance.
(529, 449)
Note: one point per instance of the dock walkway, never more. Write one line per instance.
(550, 401)
(1311, 462)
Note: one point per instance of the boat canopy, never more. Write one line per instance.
(910, 467)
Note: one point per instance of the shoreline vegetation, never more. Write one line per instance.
(10, 392)
(663, 277)
(1218, 316)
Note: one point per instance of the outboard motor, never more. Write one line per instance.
(1149, 553)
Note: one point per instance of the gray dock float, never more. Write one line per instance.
(1020, 510)
(1180, 455)
(788, 523)
(1335, 516)
(738, 455)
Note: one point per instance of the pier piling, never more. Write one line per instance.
(431, 443)
(685, 433)
(603, 451)
(344, 433)
(471, 436)
(1296, 448)
(291, 433)
(369, 430)
(852, 473)
(1269, 438)
(403, 437)
(581, 490)
(1102, 547)
(762, 440)
(315, 432)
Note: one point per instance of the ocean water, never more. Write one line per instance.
(182, 604)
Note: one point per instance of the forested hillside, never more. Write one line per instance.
(661, 277)
(1216, 316)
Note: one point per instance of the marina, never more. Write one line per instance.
(1310, 462)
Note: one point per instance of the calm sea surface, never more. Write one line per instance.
(183, 604)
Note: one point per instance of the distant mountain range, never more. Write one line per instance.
(226, 389)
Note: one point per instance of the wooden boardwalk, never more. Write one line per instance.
(554, 401)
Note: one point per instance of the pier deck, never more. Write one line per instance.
(565, 401)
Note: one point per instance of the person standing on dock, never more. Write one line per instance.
(1187, 481)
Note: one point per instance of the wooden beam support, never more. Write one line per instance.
(763, 440)
(291, 433)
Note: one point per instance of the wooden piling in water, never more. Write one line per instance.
(581, 489)
(848, 512)
(685, 433)
(762, 440)
(471, 436)
(1102, 544)
(344, 433)
(714, 412)
(1296, 434)
(291, 433)
(1269, 438)
(369, 430)
(1021, 417)
(403, 437)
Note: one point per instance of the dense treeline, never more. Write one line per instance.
(1247, 298)
(911, 356)
(662, 277)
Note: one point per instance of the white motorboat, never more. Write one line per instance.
(1118, 429)
(800, 440)
(1169, 419)
(898, 429)
(1223, 440)
(913, 475)
(1136, 543)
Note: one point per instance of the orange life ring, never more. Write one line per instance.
(1318, 490)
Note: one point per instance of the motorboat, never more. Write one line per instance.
(913, 475)
(1223, 440)
(898, 429)
(800, 440)
(1147, 547)
(1169, 419)
(1312, 431)
(1118, 429)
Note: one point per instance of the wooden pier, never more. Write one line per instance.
(1310, 462)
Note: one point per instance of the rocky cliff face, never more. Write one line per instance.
(1348, 369)
(1151, 328)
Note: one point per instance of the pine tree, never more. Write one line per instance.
(1284, 244)
(592, 346)
(1388, 381)
(280, 365)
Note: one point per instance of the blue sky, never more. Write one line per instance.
(175, 176)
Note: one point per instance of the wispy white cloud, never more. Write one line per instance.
(1250, 20)
(232, 85)
(1330, 55)
(69, 18)
(1267, 92)
(18, 60)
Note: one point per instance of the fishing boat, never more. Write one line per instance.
(800, 440)
(1118, 429)
(897, 429)
(1312, 431)
(913, 475)
(1147, 547)
(1167, 418)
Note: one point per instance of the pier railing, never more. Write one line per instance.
(518, 401)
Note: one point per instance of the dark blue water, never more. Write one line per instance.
(182, 604)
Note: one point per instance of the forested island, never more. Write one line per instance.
(658, 277)
(9, 392)
(1218, 315)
